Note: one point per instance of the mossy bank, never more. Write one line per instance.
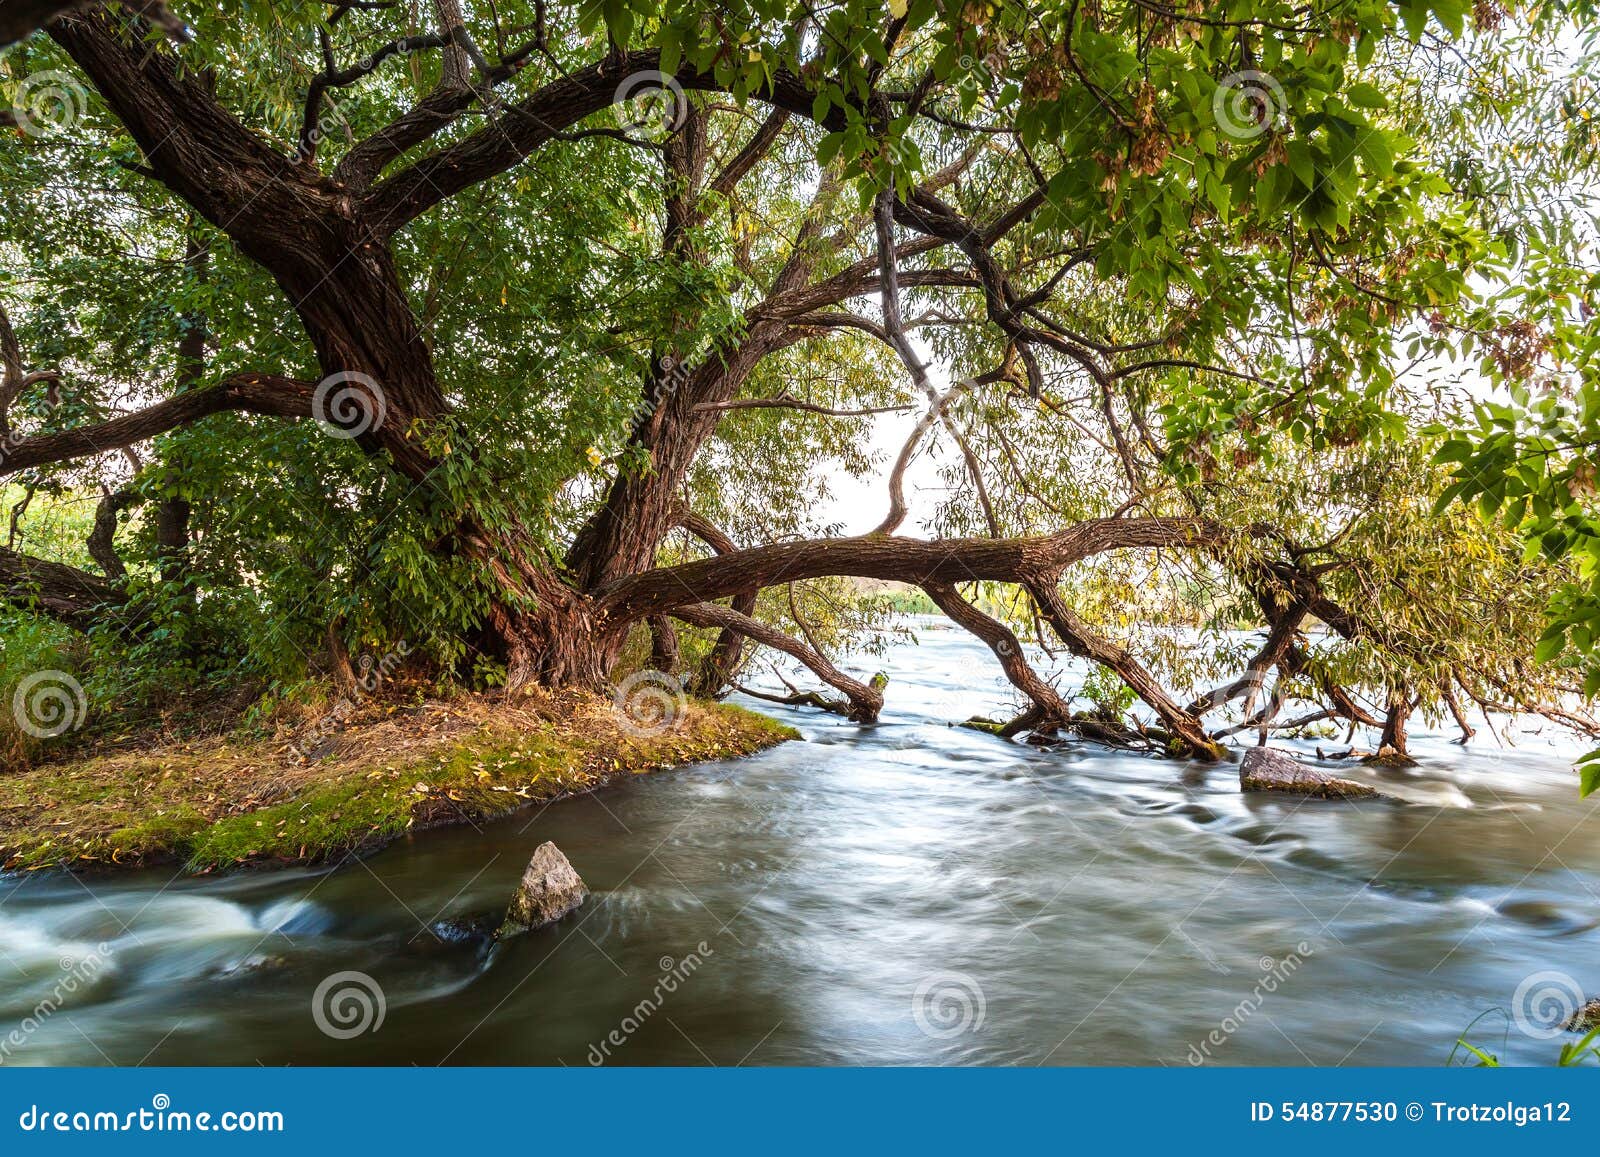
(229, 801)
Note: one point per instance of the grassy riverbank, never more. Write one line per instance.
(224, 801)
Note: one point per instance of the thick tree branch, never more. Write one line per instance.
(785, 402)
(1084, 642)
(102, 539)
(529, 123)
(254, 393)
(915, 561)
(1051, 711)
(65, 593)
(722, 660)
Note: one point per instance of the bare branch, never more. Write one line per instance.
(1053, 711)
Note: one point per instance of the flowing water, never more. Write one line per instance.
(905, 893)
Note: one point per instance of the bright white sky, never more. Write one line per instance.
(860, 504)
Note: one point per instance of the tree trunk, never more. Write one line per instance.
(641, 507)
(1186, 729)
(665, 655)
(1392, 741)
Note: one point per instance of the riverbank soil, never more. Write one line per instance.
(237, 799)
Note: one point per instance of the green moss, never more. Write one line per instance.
(144, 837)
(319, 825)
(195, 805)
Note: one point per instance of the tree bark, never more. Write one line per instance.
(65, 593)
(665, 654)
(722, 661)
(914, 561)
(336, 268)
(1051, 711)
(1183, 725)
(865, 701)
(102, 539)
(1392, 741)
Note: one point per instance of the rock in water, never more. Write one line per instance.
(549, 890)
(1264, 769)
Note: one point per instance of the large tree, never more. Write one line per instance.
(577, 294)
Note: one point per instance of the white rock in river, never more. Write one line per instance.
(1264, 769)
(550, 889)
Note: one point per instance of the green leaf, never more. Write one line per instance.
(1362, 94)
(1588, 776)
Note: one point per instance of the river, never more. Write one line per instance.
(908, 893)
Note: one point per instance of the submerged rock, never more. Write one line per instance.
(550, 889)
(474, 931)
(1586, 1018)
(248, 966)
(1264, 769)
(1547, 917)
